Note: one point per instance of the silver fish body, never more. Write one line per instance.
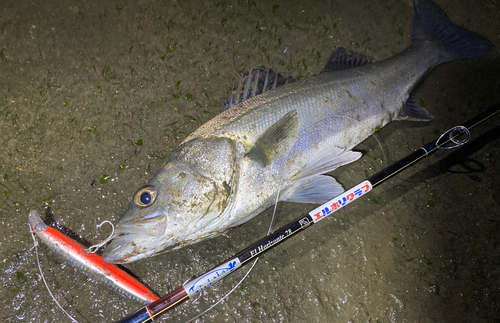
(233, 167)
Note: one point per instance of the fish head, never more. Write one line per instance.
(168, 212)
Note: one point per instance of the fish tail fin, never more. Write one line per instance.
(430, 23)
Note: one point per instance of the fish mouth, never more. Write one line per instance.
(130, 247)
(126, 248)
(135, 240)
(153, 225)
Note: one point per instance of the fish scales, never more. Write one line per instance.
(340, 109)
(283, 140)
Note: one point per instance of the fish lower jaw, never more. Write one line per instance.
(128, 248)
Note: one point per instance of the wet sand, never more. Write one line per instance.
(95, 95)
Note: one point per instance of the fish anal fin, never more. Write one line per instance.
(414, 111)
(276, 141)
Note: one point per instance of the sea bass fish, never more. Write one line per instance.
(283, 140)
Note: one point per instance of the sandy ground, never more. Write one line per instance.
(102, 91)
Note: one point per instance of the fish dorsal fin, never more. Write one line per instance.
(342, 59)
(276, 141)
(328, 161)
(414, 111)
(258, 81)
(312, 189)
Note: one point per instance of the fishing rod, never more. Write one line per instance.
(448, 140)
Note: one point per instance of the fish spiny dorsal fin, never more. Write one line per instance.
(342, 59)
(277, 140)
(258, 81)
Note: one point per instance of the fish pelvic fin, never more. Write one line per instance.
(308, 186)
(328, 161)
(431, 23)
(313, 189)
(275, 142)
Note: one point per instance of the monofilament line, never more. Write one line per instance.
(43, 278)
(249, 270)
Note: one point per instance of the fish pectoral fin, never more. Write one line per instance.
(342, 59)
(312, 189)
(414, 111)
(277, 140)
(328, 161)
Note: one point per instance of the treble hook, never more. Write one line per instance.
(94, 248)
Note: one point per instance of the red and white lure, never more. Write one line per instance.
(90, 264)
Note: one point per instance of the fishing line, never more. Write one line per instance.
(234, 67)
(249, 270)
(43, 277)
(305, 221)
(223, 298)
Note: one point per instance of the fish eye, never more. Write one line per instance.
(145, 196)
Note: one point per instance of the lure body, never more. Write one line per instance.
(90, 264)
